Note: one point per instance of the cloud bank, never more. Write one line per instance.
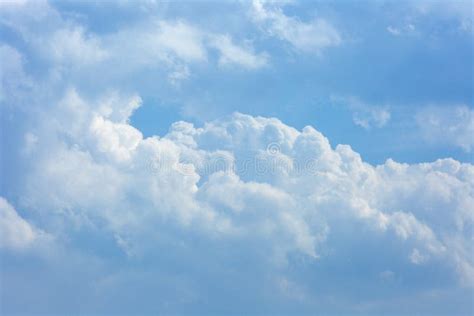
(276, 195)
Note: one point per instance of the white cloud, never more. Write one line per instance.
(242, 178)
(171, 46)
(244, 199)
(239, 187)
(231, 54)
(447, 125)
(461, 10)
(74, 46)
(182, 39)
(177, 42)
(12, 3)
(363, 114)
(416, 257)
(312, 36)
(403, 30)
(181, 72)
(14, 81)
(15, 232)
(393, 30)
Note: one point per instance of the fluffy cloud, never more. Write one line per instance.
(242, 214)
(162, 40)
(447, 125)
(242, 177)
(75, 47)
(268, 190)
(240, 187)
(184, 40)
(310, 36)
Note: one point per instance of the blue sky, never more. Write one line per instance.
(242, 157)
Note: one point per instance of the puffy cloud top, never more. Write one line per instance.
(246, 178)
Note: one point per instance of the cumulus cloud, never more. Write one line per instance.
(243, 178)
(265, 190)
(186, 218)
(312, 36)
(447, 125)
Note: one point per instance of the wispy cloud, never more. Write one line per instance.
(312, 36)
(364, 115)
(451, 125)
(231, 54)
(172, 44)
(399, 31)
(16, 234)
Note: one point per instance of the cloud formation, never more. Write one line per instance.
(156, 42)
(308, 37)
(363, 114)
(239, 177)
(233, 54)
(447, 125)
(16, 233)
(242, 214)
(255, 183)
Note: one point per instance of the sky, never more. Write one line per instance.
(236, 157)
